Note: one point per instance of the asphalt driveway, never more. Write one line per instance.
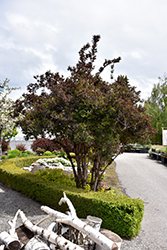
(145, 178)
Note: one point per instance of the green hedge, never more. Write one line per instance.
(120, 214)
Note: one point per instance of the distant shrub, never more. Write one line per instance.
(10, 156)
(46, 144)
(3, 157)
(21, 147)
(56, 152)
(72, 155)
(48, 153)
(28, 152)
(5, 145)
(23, 155)
(40, 151)
(62, 154)
(15, 152)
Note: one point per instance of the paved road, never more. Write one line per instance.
(147, 179)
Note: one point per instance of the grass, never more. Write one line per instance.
(110, 179)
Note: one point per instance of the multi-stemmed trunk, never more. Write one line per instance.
(0, 140)
(95, 178)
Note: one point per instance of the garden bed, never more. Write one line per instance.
(120, 214)
(158, 153)
(136, 148)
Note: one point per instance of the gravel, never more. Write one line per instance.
(139, 176)
(11, 201)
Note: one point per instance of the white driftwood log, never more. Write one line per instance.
(12, 224)
(72, 212)
(75, 222)
(9, 241)
(2, 247)
(36, 244)
(58, 240)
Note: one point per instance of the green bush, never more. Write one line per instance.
(10, 156)
(57, 176)
(72, 155)
(3, 157)
(28, 152)
(23, 155)
(62, 154)
(120, 214)
(48, 153)
(15, 152)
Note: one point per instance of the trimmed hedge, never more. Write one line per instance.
(120, 214)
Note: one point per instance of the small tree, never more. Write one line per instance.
(85, 114)
(7, 124)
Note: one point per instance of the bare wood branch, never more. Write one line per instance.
(70, 205)
(9, 241)
(59, 240)
(12, 223)
(36, 243)
(39, 222)
(75, 222)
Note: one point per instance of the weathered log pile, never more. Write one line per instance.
(66, 232)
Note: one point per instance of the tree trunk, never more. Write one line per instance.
(95, 173)
(0, 140)
(92, 174)
(74, 171)
(103, 171)
(78, 154)
(85, 171)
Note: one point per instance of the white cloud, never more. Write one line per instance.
(37, 36)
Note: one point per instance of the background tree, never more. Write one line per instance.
(46, 144)
(131, 121)
(83, 113)
(7, 124)
(156, 106)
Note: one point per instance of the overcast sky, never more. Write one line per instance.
(40, 35)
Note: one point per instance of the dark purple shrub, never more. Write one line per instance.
(5, 145)
(21, 147)
(46, 144)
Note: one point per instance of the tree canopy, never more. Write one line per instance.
(85, 114)
(156, 106)
(7, 124)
